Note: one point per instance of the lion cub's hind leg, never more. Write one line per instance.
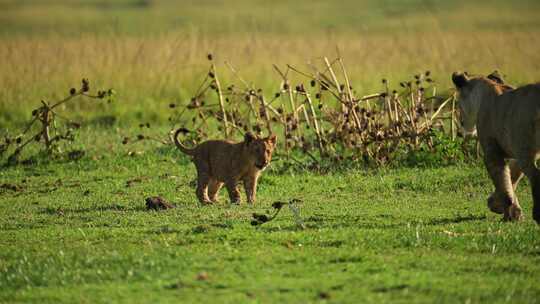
(203, 180)
(213, 190)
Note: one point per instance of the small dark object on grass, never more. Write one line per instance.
(157, 203)
(259, 219)
(11, 187)
(76, 154)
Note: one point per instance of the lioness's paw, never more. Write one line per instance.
(495, 205)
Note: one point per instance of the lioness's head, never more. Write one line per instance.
(260, 149)
(471, 92)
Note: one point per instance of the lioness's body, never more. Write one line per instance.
(512, 119)
(221, 162)
(508, 126)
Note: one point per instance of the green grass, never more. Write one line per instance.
(76, 232)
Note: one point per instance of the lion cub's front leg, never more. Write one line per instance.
(250, 185)
(232, 188)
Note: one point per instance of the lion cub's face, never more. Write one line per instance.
(260, 149)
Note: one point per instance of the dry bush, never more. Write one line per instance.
(321, 115)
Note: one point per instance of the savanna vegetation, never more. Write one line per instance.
(391, 200)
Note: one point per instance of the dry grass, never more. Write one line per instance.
(162, 69)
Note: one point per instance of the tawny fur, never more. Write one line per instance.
(508, 125)
(221, 162)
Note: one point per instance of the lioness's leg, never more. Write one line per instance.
(203, 179)
(250, 184)
(500, 176)
(533, 174)
(232, 188)
(213, 189)
(495, 200)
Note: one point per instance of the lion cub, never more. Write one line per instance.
(221, 162)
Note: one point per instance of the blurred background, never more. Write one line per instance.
(153, 52)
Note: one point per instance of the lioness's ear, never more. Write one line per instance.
(460, 79)
(249, 137)
(272, 139)
(496, 76)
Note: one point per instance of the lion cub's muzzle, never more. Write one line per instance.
(262, 165)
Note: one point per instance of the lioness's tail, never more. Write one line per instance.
(179, 145)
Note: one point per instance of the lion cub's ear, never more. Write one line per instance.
(460, 79)
(249, 137)
(272, 139)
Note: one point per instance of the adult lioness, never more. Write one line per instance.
(221, 162)
(508, 125)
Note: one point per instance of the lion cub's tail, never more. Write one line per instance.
(179, 145)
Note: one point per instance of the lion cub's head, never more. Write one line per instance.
(260, 149)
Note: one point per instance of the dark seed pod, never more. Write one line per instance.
(140, 137)
(125, 140)
(427, 73)
(277, 95)
(211, 75)
(172, 105)
(313, 82)
(18, 140)
(210, 57)
(263, 218)
(72, 91)
(318, 95)
(37, 137)
(384, 81)
(285, 86)
(85, 85)
(34, 112)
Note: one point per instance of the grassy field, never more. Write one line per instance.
(401, 235)
(77, 231)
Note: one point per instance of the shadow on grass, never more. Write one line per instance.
(455, 220)
(113, 207)
(373, 222)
